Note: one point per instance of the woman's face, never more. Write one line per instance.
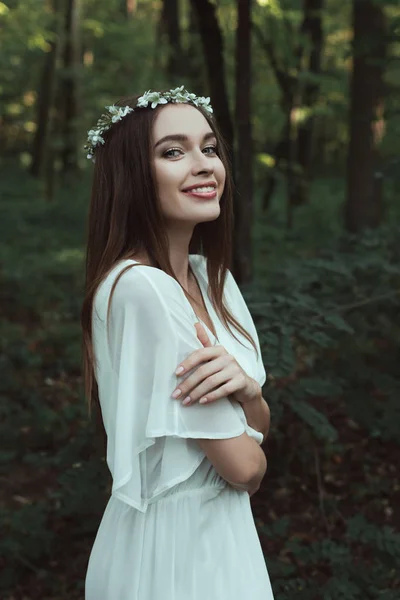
(190, 177)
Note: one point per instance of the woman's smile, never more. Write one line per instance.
(206, 191)
(203, 193)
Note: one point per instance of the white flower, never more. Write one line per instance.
(127, 110)
(204, 102)
(154, 98)
(177, 90)
(113, 109)
(159, 101)
(143, 101)
(118, 112)
(94, 137)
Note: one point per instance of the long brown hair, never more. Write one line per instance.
(125, 218)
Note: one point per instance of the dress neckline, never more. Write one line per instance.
(203, 287)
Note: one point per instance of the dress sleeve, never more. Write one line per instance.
(148, 335)
(240, 310)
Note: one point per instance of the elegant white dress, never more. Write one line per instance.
(173, 529)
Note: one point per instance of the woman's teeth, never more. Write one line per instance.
(201, 190)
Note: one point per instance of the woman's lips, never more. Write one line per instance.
(203, 195)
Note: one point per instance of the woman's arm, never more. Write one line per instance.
(258, 415)
(253, 485)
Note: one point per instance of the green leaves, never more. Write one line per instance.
(384, 539)
(329, 330)
(319, 423)
(338, 322)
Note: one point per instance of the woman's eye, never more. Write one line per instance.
(170, 153)
(173, 153)
(211, 149)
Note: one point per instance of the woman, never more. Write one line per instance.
(159, 295)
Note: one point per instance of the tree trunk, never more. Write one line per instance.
(171, 26)
(244, 154)
(70, 86)
(212, 41)
(194, 67)
(291, 165)
(312, 29)
(45, 100)
(129, 7)
(285, 151)
(293, 154)
(364, 206)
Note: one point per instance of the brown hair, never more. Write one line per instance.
(125, 218)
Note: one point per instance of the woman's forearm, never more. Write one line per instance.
(253, 484)
(258, 415)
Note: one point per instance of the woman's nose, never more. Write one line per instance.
(202, 164)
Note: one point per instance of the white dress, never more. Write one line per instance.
(173, 528)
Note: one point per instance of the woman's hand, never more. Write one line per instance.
(219, 376)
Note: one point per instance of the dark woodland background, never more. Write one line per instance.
(307, 95)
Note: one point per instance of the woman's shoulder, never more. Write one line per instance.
(137, 279)
(140, 284)
(137, 274)
(141, 269)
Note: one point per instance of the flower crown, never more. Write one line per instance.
(116, 113)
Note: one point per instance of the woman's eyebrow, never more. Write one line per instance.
(180, 137)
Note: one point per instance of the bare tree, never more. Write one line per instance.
(69, 85)
(193, 63)
(311, 29)
(212, 41)
(294, 151)
(129, 8)
(244, 154)
(45, 99)
(171, 26)
(364, 204)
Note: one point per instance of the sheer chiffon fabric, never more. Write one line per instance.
(173, 529)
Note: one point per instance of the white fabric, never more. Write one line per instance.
(173, 529)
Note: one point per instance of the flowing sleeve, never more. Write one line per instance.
(240, 310)
(151, 442)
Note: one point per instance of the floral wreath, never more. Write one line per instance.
(116, 113)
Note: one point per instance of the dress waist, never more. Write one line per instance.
(180, 491)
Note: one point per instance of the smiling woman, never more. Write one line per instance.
(158, 251)
(187, 166)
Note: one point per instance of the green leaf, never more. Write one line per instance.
(315, 419)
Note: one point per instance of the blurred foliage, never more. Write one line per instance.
(122, 56)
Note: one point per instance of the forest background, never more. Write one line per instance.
(307, 95)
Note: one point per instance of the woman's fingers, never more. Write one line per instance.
(212, 389)
(201, 375)
(202, 335)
